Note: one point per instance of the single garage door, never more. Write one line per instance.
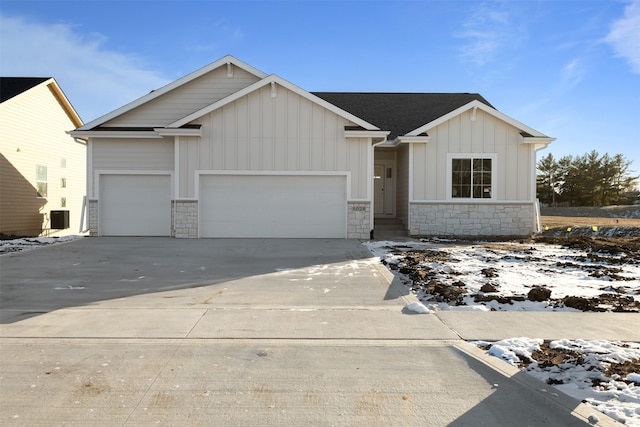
(273, 206)
(135, 205)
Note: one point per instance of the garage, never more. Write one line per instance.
(268, 206)
(135, 205)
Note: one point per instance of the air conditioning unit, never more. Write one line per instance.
(59, 220)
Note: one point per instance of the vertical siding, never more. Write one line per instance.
(184, 100)
(485, 134)
(402, 184)
(282, 133)
(32, 132)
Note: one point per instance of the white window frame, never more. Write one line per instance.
(40, 181)
(492, 156)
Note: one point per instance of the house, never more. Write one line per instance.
(229, 151)
(42, 169)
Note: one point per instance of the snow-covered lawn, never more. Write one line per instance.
(449, 275)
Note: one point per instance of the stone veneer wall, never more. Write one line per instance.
(185, 219)
(358, 220)
(449, 219)
(92, 215)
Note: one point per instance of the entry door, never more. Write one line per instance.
(384, 188)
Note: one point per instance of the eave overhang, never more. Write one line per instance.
(136, 133)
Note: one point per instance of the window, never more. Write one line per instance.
(63, 162)
(63, 202)
(41, 181)
(471, 178)
(63, 182)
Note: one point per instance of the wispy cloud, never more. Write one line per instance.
(624, 36)
(486, 31)
(572, 73)
(96, 80)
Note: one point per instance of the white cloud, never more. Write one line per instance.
(486, 31)
(95, 79)
(624, 36)
(572, 73)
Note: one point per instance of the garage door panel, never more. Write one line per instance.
(135, 205)
(272, 206)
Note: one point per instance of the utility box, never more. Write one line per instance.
(59, 220)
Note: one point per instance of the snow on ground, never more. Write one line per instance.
(449, 275)
(15, 245)
(603, 374)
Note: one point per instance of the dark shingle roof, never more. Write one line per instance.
(399, 113)
(12, 86)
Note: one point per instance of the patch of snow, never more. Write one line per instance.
(417, 307)
(17, 245)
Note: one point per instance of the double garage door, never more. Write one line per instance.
(286, 206)
(273, 206)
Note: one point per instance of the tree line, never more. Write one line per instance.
(588, 180)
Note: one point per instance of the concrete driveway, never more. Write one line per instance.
(122, 331)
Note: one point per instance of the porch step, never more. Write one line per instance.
(388, 228)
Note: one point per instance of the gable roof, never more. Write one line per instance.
(274, 80)
(12, 86)
(227, 60)
(399, 113)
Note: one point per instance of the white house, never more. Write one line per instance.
(42, 168)
(228, 151)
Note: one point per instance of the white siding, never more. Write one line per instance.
(110, 154)
(32, 132)
(284, 133)
(486, 134)
(186, 99)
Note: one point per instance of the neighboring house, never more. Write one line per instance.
(228, 151)
(42, 169)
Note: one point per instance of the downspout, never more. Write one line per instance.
(537, 225)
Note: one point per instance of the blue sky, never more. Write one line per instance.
(570, 69)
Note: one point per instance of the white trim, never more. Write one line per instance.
(536, 140)
(89, 171)
(410, 139)
(114, 134)
(266, 81)
(482, 106)
(178, 131)
(99, 172)
(173, 85)
(367, 134)
(410, 183)
(176, 165)
(494, 174)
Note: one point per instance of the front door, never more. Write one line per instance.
(384, 189)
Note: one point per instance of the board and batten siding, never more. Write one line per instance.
(485, 134)
(259, 132)
(32, 132)
(112, 154)
(186, 99)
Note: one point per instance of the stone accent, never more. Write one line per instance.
(358, 220)
(92, 216)
(450, 219)
(185, 219)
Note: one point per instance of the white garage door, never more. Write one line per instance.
(135, 205)
(273, 206)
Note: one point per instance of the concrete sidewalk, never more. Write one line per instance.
(313, 344)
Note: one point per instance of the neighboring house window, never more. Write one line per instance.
(63, 202)
(63, 162)
(41, 181)
(471, 177)
(63, 182)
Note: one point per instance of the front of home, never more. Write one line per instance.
(228, 151)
